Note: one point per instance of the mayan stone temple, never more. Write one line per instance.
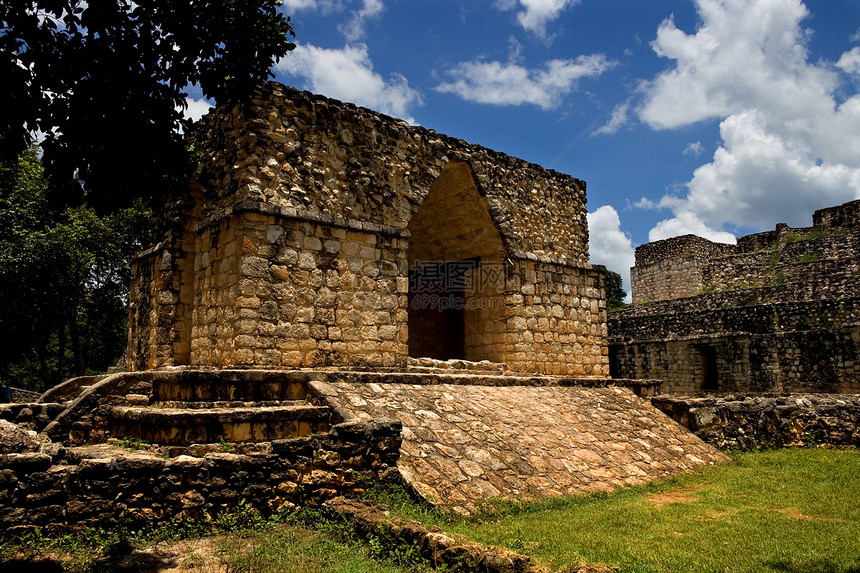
(311, 217)
(343, 297)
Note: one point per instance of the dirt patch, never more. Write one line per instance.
(201, 555)
(680, 495)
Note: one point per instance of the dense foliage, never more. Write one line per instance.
(64, 278)
(104, 81)
(103, 84)
(615, 294)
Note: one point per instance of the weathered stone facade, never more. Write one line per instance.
(309, 218)
(778, 312)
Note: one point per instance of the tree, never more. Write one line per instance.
(615, 294)
(63, 278)
(103, 81)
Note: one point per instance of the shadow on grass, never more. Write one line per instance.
(32, 565)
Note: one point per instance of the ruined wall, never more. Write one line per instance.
(672, 268)
(779, 312)
(689, 265)
(58, 488)
(777, 347)
(305, 220)
(751, 423)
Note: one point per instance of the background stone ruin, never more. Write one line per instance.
(778, 312)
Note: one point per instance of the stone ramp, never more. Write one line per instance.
(465, 443)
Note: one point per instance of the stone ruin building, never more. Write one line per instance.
(310, 218)
(342, 295)
(777, 312)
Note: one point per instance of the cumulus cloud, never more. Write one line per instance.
(354, 29)
(684, 223)
(347, 74)
(616, 121)
(850, 61)
(536, 14)
(509, 83)
(197, 108)
(789, 145)
(608, 244)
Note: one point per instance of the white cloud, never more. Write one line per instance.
(608, 244)
(850, 61)
(511, 84)
(347, 74)
(297, 5)
(354, 29)
(536, 14)
(616, 121)
(695, 149)
(687, 222)
(789, 146)
(196, 108)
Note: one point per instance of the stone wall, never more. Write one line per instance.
(672, 268)
(749, 423)
(30, 415)
(779, 312)
(287, 292)
(557, 319)
(308, 219)
(58, 488)
(309, 153)
(686, 266)
(775, 347)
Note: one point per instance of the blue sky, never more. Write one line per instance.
(714, 117)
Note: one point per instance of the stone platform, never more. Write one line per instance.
(465, 431)
(463, 443)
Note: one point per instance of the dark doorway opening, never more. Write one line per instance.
(614, 365)
(437, 308)
(710, 375)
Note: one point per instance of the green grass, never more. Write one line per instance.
(294, 549)
(241, 540)
(783, 511)
(808, 236)
(807, 258)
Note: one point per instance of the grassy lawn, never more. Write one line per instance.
(792, 510)
(782, 510)
(267, 548)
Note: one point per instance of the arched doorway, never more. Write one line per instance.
(456, 273)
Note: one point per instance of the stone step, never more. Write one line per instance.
(433, 377)
(185, 426)
(231, 387)
(221, 404)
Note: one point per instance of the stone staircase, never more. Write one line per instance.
(465, 431)
(181, 424)
(186, 411)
